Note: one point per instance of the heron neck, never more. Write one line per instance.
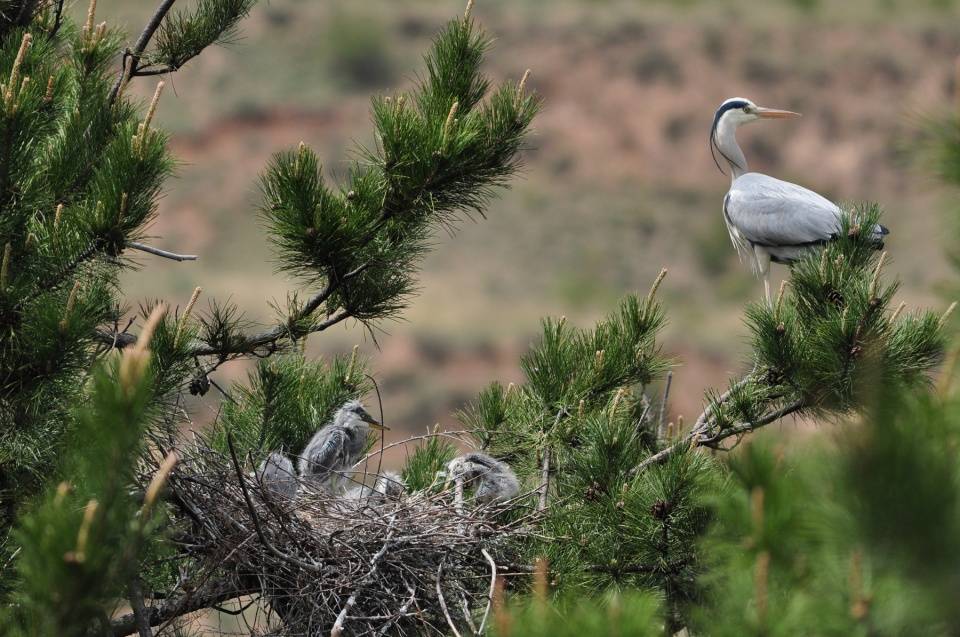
(727, 143)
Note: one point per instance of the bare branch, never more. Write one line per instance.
(493, 585)
(136, 604)
(544, 479)
(661, 431)
(198, 600)
(145, 36)
(443, 605)
(337, 629)
(136, 245)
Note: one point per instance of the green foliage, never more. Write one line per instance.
(441, 153)
(572, 375)
(62, 146)
(832, 336)
(287, 399)
(421, 468)
(857, 539)
(183, 36)
(634, 614)
(80, 543)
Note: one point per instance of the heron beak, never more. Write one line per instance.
(370, 420)
(773, 113)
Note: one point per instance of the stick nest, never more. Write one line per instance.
(325, 564)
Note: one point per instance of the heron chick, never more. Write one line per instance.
(389, 486)
(494, 480)
(277, 475)
(337, 446)
(769, 219)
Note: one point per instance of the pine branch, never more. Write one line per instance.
(137, 52)
(697, 438)
(192, 601)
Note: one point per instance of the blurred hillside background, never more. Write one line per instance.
(619, 183)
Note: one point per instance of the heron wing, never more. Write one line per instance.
(776, 214)
(325, 452)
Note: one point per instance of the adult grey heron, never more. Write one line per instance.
(338, 445)
(277, 475)
(769, 219)
(494, 480)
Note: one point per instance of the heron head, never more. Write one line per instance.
(353, 412)
(735, 112)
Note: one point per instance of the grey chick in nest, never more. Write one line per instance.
(494, 480)
(337, 446)
(388, 487)
(277, 476)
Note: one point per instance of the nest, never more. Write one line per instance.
(325, 564)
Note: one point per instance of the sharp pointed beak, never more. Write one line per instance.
(373, 422)
(773, 113)
(370, 420)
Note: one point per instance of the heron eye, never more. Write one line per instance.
(746, 109)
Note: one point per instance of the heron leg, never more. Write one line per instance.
(763, 267)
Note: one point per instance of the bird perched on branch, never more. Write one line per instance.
(338, 445)
(494, 480)
(277, 475)
(769, 219)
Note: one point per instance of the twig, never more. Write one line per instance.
(136, 245)
(337, 629)
(661, 431)
(544, 479)
(151, 27)
(786, 410)
(256, 520)
(493, 585)
(695, 439)
(136, 604)
(400, 613)
(443, 604)
(465, 607)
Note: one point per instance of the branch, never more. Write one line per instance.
(141, 45)
(136, 245)
(57, 18)
(248, 344)
(136, 604)
(544, 479)
(256, 520)
(443, 605)
(189, 603)
(337, 629)
(696, 437)
(493, 586)
(661, 430)
(723, 434)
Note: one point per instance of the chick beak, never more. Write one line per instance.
(774, 113)
(373, 422)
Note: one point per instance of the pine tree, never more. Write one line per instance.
(623, 522)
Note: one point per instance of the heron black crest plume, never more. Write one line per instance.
(714, 147)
